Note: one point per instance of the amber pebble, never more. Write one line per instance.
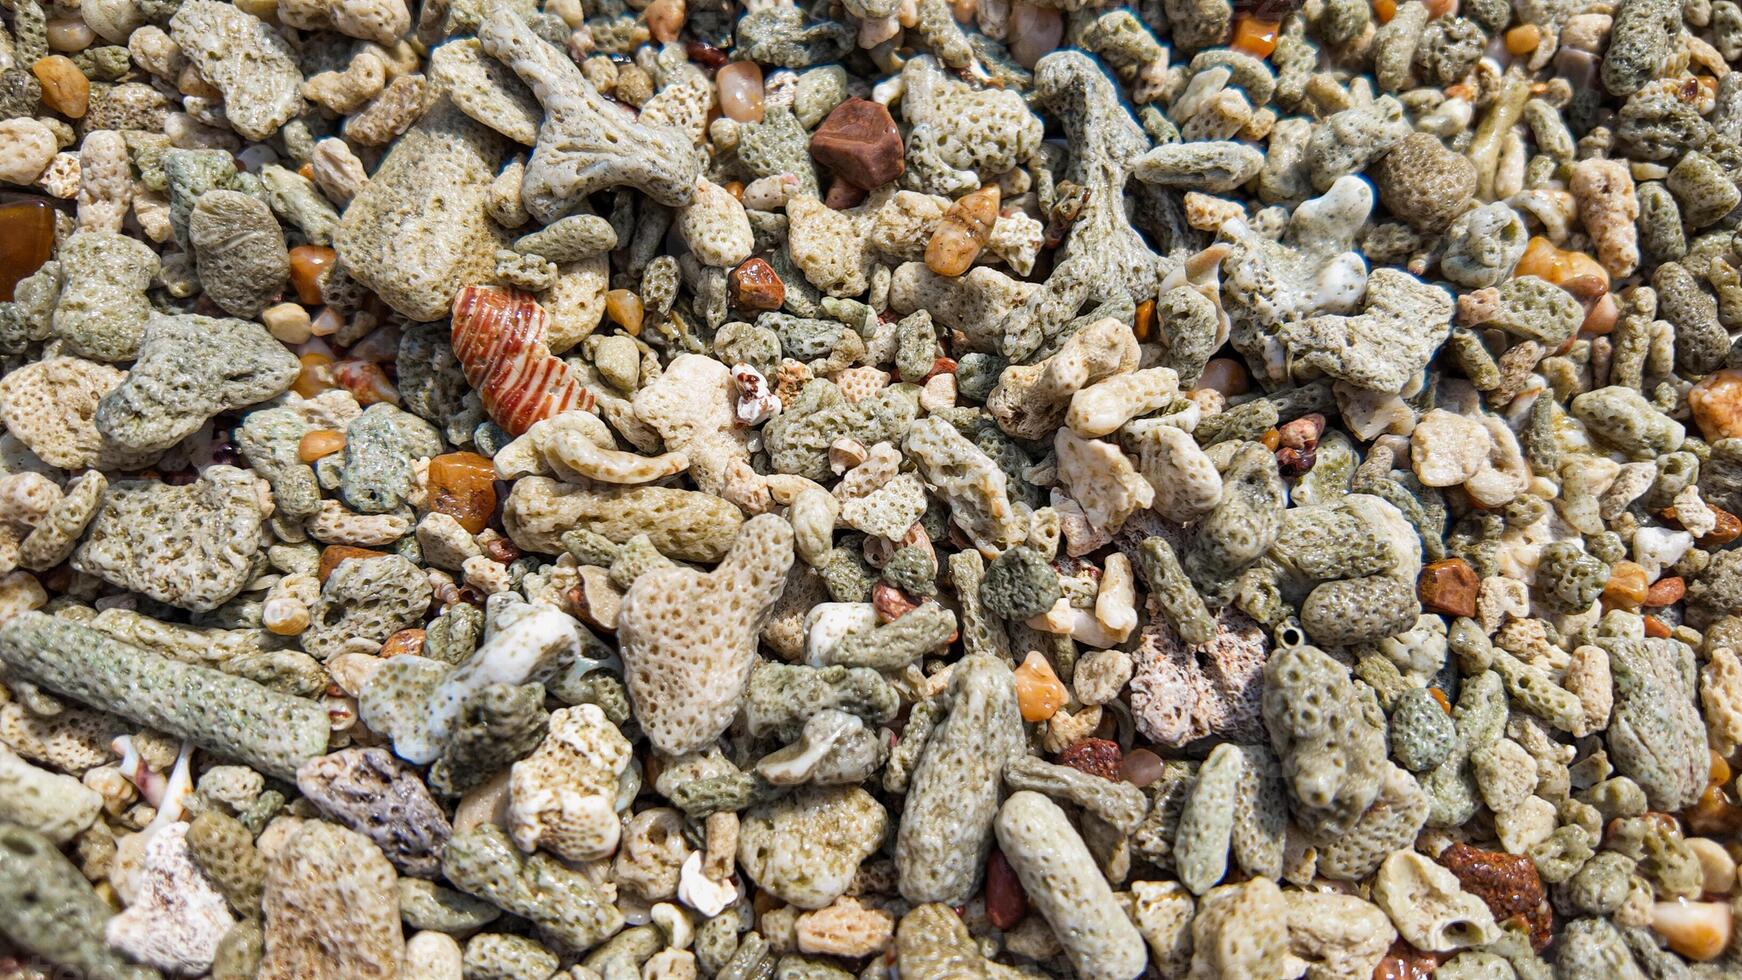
(307, 264)
(754, 285)
(318, 443)
(1719, 769)
(26, 240)
(1627, 585)
(859, 142)
(1713, 815)
(1448, 587)
(1403, 961)
(65, 89)
(1145, 319)
(1440, 699)
(625, 309)
(403, 642)
(316, 376)
(963, 232)
(1271, 439)
(740, 88)
(1384, 10)
(1255, 37)
(1039, 692)
(1657, 628)
(333, 554)
(463, 486)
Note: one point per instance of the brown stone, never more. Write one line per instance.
(754, 285)
(1449, 587)
(65, 89)
(1507, 883)
(1666, 591)
(859, 142)
(963, 232)
(26, 240)
(842, 195)
(1095, 756)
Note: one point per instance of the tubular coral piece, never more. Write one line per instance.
(689, 639)
(499, 338)
(1609, 207)
(226, 715)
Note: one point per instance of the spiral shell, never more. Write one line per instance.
(498, 336)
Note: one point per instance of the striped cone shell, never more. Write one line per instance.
(498, 336)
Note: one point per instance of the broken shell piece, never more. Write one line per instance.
(702, 893)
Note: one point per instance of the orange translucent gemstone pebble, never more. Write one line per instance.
(1039, 692)
(26, 240)
(1523, 39)
(1627, 585)
(1145, 320)
(1385, 10)
(307, 264)
(463, 486)
(1542, 259)
(1254, 36)
(316, 376)
(318, 443)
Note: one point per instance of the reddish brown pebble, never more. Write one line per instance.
(942, 365)
(842, 195)
(1665, 591)
(501, 550)
(26, 240)
(890, 602)
(755, 285)
(1006, 902)
(1095, 756)
(1507, 883)
(1405, 962)
(307, 264)
(1448, 587)
(333, 554)
(859, 142)
(402, 643)
(704, 54)
(1295, 463)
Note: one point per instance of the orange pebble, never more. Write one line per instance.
(1627, 585)
(1657, 628)
(1255, 36)
(1523, 39)
(316, 376)
(307, 264)
(1384, 10)
(1145, 321)
(1039, 692)
(319, 442)
(403, 642)
(463, 486)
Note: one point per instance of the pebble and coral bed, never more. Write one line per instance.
(883, 489)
